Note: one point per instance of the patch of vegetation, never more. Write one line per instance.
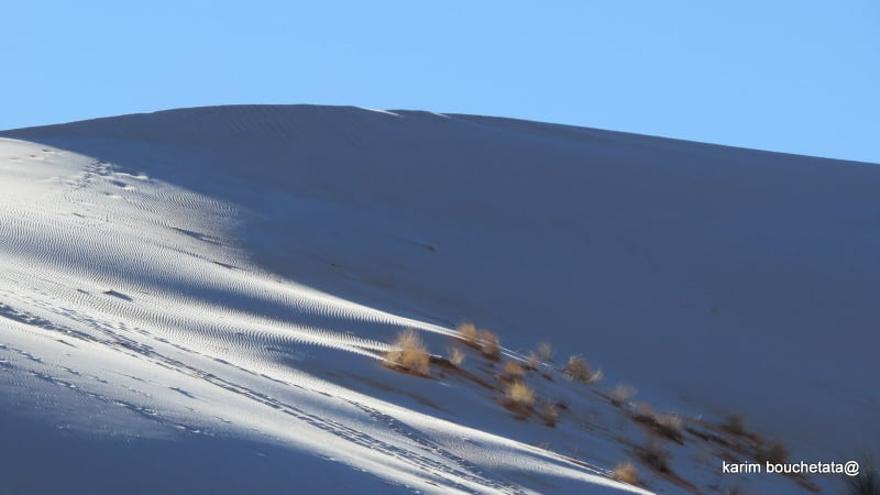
(626, 472)
(735, 424)
(490, 345)
(512, 371)
(668, 425)
(621, 394)
(409, 354)
(654, 455)
(468, 333)
(775, 453)
(519, 399)
(549, 414)
(456, 357)
(578, 368)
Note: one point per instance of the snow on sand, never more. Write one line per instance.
(185, 283)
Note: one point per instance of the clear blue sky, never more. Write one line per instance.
(800, 76)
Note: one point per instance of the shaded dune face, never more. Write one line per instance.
(237, 270)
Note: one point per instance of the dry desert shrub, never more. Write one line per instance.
(775, 453)
(512, 371)
(667, 424)
(456, 357)
(670, 421)
(735, 424)
(645, 411)
(670, 425)
(409, 354)
(490, 346)
(519, 398)
(484, 340)
(550, 415)
(545, 352)
(468, 333)
(542, 355)
(626, 472)
(578, 368)
(621, 394)
(653, 454)
(533, 362)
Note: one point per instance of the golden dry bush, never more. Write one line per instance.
(456, 357)
(533, 361)
(626, 472)
(670, 424)
(578, 368)
(490, 346)
(409, 354)
(550, 414)
(735, 424)
(621, 394)
(468, 333)
(519, 398)
(645, 410)
(545, 352)
(541, 355)
(775, 453)
(653, 454)
(512, 371)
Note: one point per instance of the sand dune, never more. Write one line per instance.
(207, 293)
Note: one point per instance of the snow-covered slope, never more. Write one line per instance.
(194, 301)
